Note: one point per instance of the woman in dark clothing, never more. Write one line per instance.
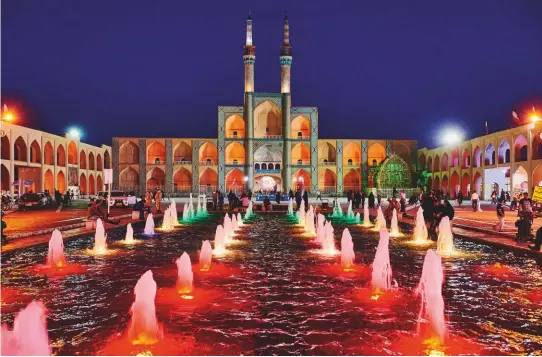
(371, 200)
(306, 199)
(448, 210)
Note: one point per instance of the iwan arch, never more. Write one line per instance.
(509, 160)
(266, 141)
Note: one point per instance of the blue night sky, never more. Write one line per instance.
(376, 69)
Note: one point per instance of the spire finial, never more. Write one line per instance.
(286, 17)
(249, 17)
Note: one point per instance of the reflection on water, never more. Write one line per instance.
(275, 296)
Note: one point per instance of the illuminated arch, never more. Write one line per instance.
(352, 180)
(327, 153)
(235, 126)
(155, 178)
(183, 152)
(156, 153)
(19, 149)
(49, 181)
(91, 185)
(35, 152)
(182, 180)
(99, 163)
(436, 164)
(61, 182)
(466, 158)
(327, 178)
(99, 183)
(235, 180)
(72, 153)
(520, 149)
(60, 155)
(300, 127)
(129, 153)
(82, 160)
(489, 156)
(267, 120)
(301, 175)
(129, 178)
(429, 164)
(351, 154)
(503, 156)
(301, 154)
(6, 178)
(465, 184)
(208, 153)
(477, 157)
(91, 161)
(444, 185)
(83, 183)
(454, 157)
(107, 159)
(235, 153)
(6, 151)
(208, 177)
(376, 154)
(422, 162)
(445, 161)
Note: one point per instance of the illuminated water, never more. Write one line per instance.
(55, 255)
(278, 297)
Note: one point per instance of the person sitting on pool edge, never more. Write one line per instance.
(267, 207)
(538, 240)
(95, 212)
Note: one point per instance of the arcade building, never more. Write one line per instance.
(264, 143)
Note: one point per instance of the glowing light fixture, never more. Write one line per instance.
(74, 133)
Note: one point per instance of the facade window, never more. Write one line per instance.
(235, 161)
(267, 130)
(235, 134)
(256, 166)
(325, 161)
(182, 158)
(299, 135)
(208, 161)
(277, 166)
(157, 161)
(349, 161)
(264, 166)
(374, 162)
(299, 162)
(270, 167)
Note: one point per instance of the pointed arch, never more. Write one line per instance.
(436, 183)
(327, 153)
(208, 178)
(537, 146)
(5, 177)
(235, 153)
(422, 162)
(455, 186)
(99, 183)
(454, 157)
(303, 176)
(327, 179)
(91, 161)
(48, 154)
(504, 152)
(520, 179)
(235, 126)
(352, 154)
(182, 180)
(444, 185)
(208, 153)
(267, 120)
(19, 149)
(445, 162)
(235, 180)
(352, 180)
(83, 183)
(49, 181)
(155, 178)
(394, 172)
(6, 150)
(465, 185)
(537, 176)
(72, 153)
(520, 149)
(61, 182)
(477, 157)
(82, 160)
(129, 179)
(156, 153)
(429, 164)
(91, 185)
(436, 164)
(99, 162)
(35, 152)
(107, 159)
(129, 153)
(477, 184)
(300, 127)
(182, 153)
(301, 154)
(466, 158)
(61, 155)
(376, 154)
(489, 156)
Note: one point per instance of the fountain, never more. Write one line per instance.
(321, 232)
(337, 211)
(228, 229)
(234, 224)
(249, 212)
(174, 215)
(188, 211)
(357, 218)
(380, 220)
(100, 239)
(309, 222)
(349, 212)
(204, 203)
(149, 225)
(430, 289)
(205, 256)
(445, 242)
(29, 335)
(290, 207)
(394, 225)
(420, 230)
(301, 213)
(381, 275)
(328, 245)
(55, 255)
(199, 211)
(144, 328)
(219, 241)
(239, 220)
(347, 250)
(166, 220)
(129, 238)
(185, 276)
(366, 219)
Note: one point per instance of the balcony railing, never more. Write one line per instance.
(234, 162)
(208, 162)
(272, 136)
(183, 162)
(328, 189)
(232, 136)
(328, 163)
(351, 163)
(301, 162)
(208, 190)
(182, 189)
(301, 137)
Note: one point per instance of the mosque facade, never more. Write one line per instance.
(264, 143)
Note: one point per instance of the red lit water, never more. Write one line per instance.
(273, 295)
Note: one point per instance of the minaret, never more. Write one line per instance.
(249, 57)
(285, 58)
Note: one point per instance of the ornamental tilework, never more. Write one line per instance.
(221, 148)
(364, 162)
(169, 166)
(389, 148)
(274, 99)
(115, 152)
(195, 166)
(339, 165)
(142, 165)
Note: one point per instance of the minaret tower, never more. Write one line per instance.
(285, 64)
(285, 58)
(249, 57)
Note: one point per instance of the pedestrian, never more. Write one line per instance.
(291, 194)
(474, 201)
(459, 199)
(71, 195)
(298, 199)
(318, 195)
(158, 200)
(379, 199)
(503, 195)
(67, 198)
(215, 199)
(357, 199)
(220, 201)
(362, 198)
(349, 196)
(306, 198)
(148, 200)
(277, 197)
(371, 200)
(4, 226)
(537, 241)
(402, 200)
(500, 216)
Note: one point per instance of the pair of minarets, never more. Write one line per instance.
(249, 57)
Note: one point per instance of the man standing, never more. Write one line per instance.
(158, 200)
(148, 200)
(500, 215)
(474, 200)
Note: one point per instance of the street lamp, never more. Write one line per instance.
(74, 133)
(451, 136)
(7, 114)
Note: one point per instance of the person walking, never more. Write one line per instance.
(148, 200)
(298, 199)
(459, 199)
(474, 201)
(158, 200)
(500, 216)
(306, 198)
(379, 199)
(215, 199)
(371, 200)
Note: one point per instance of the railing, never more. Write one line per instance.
(301, 162)
(267, 171)
(207, 189)
(351, 163)
(235, 162)
(388, 192)
(231, 136)
(272, 136)
(129, 188)
(328, 189)
(301, 137)
(328, 163)
(182, 189)
(183, 162)
(208, 162)
(353, 188)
